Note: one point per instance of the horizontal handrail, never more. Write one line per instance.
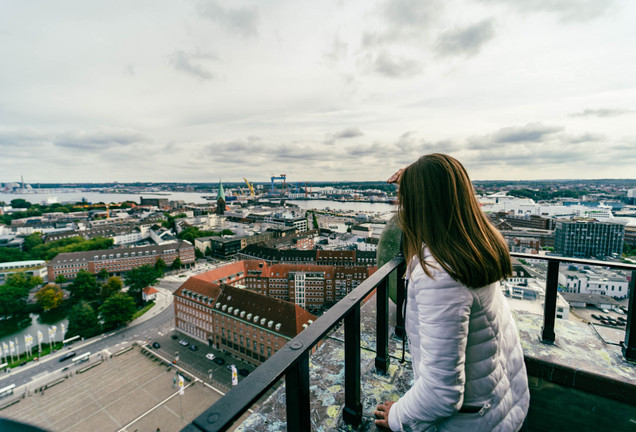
(230, 407)
(291, 361)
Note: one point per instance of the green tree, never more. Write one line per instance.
(113, 285)
(102, 275)
(160, 267)
(84, 287)
(49, 297)
(12, 301)
(117, 310)
(198, 253)
(31, 241)
(139, 278)
(315, 220)
(9, 254)
(208, 251)
(82, 321)
(20, 203)
(60, 279)
(24, 281)
(176, 264)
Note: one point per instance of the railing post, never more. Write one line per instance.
(297, 395)
(549, 310)
(629, 346)
(399, 321)
(352, 413)
(382, 328)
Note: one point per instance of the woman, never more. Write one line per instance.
(467, 360)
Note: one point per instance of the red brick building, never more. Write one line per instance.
(118, 261)
(251, 309)
(246, 324)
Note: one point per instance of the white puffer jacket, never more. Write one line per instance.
(465, 351)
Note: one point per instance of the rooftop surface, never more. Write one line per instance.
(578, 346)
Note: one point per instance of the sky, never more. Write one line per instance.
(202, 90)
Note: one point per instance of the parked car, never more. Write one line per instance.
(243, 372)
(598, 317)
(219, 361)
(156, 345)
(193, 347)
(174, 336)
(210, 356)
(183, 342)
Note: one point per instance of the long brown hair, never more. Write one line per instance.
(437, 208)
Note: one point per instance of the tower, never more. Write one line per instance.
(220, 200)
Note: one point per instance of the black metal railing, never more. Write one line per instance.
(292, 361)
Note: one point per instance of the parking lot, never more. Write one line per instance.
(195, 362)
(125, 393)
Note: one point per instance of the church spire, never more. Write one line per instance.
(221, 191)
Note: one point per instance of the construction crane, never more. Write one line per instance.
(251, 186)
(282, 177)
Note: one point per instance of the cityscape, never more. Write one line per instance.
(214, 288)
(198, 231)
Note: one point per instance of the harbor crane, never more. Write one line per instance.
(251, 186)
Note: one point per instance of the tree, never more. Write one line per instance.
(49, 297)
(82, 321)
(31, 241)
(315, 220)
(117, 310)
(160, 267)
(139, 278)
(113, 285)
(20, 203)
(60, 279)
(198, 253)
(176, 264)
(208, 251)
(102, 274)
(14, 294)
(84, 287)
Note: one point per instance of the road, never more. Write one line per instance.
(158, 328)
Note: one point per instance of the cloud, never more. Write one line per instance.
(129, 70)
(602, 112)
(102, 139)
(405, 21)
(394, 67)
(336, 52)
(567, 10)
(466, 41)
(242, 20)
(346, 133)
(12, 137)
(191, 64)
(528, 133)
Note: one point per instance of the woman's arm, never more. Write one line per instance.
(443, 312)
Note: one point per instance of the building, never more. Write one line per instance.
(586, 280)
(149, 294)
(225, 247)
(220, 201)
(585, 238)
(316, 256)
(154, 202)
(118, 261)
(249, 325)
(31, 268)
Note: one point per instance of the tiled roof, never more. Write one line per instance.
(272, 314)
(150, 290)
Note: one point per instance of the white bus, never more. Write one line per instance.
(82, 358)
(6, 391)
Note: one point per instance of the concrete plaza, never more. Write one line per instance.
(129, 392)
